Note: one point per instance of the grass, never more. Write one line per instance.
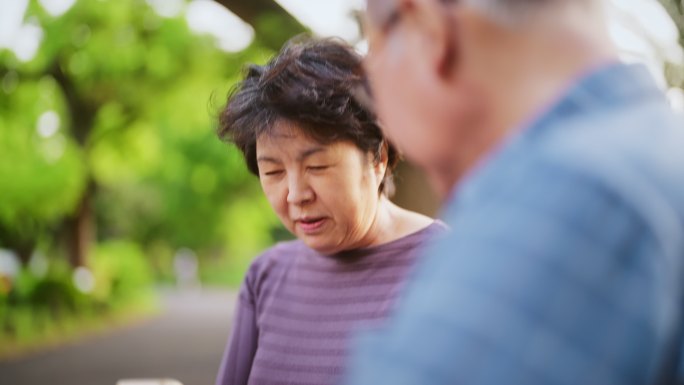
(36, 330)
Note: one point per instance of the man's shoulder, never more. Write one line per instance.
(624, 149)
(627, 161)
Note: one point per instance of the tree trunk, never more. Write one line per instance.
(16, 239)
(24, 252)
(79, 229)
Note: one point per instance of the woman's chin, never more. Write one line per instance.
(320, 245)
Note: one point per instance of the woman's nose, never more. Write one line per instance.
(298, 190)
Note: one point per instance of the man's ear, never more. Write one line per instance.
(432, 19)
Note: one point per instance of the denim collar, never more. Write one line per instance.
(612, 86)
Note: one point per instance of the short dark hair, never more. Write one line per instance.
(313, 83)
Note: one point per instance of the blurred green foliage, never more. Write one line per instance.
(120, 272)
(136, 96)
(42, 178)
(51, 306)
(116, 113)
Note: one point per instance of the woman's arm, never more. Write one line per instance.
(237, 359)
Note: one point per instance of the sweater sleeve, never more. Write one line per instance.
(237, 359)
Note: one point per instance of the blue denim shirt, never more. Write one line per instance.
(565, 263)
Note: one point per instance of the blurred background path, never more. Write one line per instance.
(184, 342)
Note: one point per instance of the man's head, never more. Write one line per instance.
(452, 77)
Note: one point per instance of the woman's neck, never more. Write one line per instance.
(393, 222)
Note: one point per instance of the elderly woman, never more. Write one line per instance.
(326, 170)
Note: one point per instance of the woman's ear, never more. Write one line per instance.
(382, 160)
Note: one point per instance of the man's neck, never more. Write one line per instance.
(534, 66)
(520, 77)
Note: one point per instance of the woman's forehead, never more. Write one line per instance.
(286, 132)
(300, 148)
(294, 139)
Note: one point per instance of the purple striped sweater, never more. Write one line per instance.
(297, 309)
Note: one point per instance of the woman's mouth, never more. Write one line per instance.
(310, 225)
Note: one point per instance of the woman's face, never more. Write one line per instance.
(325, 194)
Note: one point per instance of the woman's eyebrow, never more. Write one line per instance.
(267, 159)
(303, 155)
(307, 153)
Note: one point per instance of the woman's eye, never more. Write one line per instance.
(318, 168)
(273, 172)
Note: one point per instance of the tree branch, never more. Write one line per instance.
(272, 24)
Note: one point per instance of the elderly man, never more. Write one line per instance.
(563, 170)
